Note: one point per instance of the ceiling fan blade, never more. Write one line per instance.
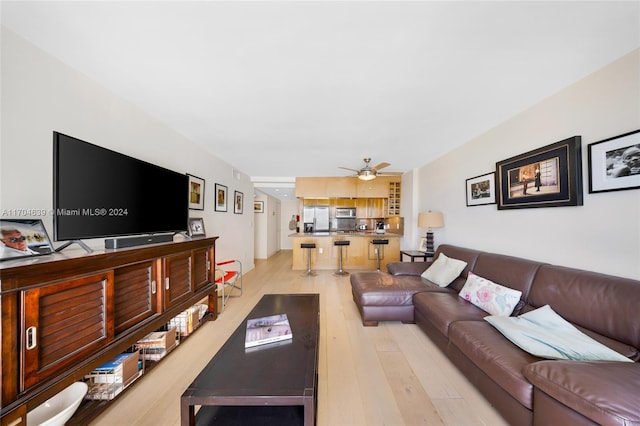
(381, 166)
(391, 173)
(348, 168)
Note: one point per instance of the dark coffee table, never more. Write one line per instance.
(275, 383)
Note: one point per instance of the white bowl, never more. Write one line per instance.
(59, 408)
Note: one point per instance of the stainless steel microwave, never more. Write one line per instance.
(346, 212)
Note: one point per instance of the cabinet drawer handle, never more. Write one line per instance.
(166, 283)
(16, 422)
(153, 287)
(32, 334)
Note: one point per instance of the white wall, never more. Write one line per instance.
(602, 235)
(40, 94)
(267, 227)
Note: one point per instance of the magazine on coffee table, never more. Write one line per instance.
(274, 328)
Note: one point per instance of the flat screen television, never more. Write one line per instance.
(98, 193)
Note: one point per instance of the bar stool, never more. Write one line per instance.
(379, 243)
(340, 244)
(309, 247)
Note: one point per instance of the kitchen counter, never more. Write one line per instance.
(345, 234)
(360, 254)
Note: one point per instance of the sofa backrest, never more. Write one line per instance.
(605, 304)
(468, 255)
(508, 271)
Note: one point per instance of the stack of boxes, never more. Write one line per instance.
(111, 378)
(187, 321)
(156, 345)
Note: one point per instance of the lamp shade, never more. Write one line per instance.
(430, 220)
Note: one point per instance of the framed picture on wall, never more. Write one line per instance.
(550, 176)
(614, 163)
(481, 190)
(221, 198)
(196, 193)
(238, 201)
(258, 206)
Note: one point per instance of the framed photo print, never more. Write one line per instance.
(238, 201)
(196, 227)
(196, 193)
(258, 206)
(550, 176)
(614, 163)
(481, 190)
(23, 238)
(423, 245)
(221, 198)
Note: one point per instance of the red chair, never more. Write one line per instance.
(228, 277)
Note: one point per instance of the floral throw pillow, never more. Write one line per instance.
(489, 296)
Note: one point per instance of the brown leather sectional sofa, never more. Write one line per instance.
(525, 389)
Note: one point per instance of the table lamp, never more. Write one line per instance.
(430, 220)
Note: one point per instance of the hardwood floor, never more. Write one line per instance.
(386, 375)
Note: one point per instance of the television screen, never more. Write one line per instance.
(102, 193)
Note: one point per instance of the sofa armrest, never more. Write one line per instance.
(605, 392)
(407, 268)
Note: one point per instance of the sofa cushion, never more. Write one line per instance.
(407, 268)
(442, 309)
(491, 352)
(444, 270)
(382, 289)
(545, 334)
(468, 255)
(605, 392)
(606, 304)
(489, 296)
(514, 272)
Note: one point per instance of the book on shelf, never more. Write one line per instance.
(273, 328)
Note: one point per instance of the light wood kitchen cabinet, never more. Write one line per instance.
(376, 188)
(65, 314)
(393, 204)
(342, 187)
(370, 208)
(309, 187)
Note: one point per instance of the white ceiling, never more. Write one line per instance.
(282, 89)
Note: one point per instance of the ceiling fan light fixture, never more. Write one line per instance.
(367, 174)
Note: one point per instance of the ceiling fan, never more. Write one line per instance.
(368, 172)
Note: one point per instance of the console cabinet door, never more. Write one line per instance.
(63, 323)
(178, 284)
(201, 268)
(135, 294)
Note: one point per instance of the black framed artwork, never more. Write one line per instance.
(238, 202)
(196, 193)
(614, 163)
(221, 198)
(481, 190)
(550, 176)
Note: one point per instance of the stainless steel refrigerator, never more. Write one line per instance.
(316, 218)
